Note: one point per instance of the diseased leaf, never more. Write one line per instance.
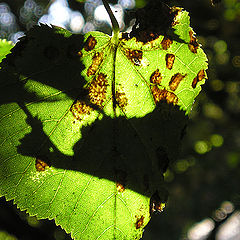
(88, 124)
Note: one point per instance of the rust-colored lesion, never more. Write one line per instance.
(90, 43)
(170, 58)
(135, 56)
(97, 90)
(200, 76)
(120, 187)
(166, 42)
(193, 44)
(80, 54)
(175, 81)
(140, 221)
(121, 180)
(156, 77)
(121, 99)
(96, 61)
(156, 204)
(80, 108)
(164, 95)
(40, 164)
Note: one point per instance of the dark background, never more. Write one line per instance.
(204, 182)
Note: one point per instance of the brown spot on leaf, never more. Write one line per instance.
(169, 61)
(193, 44)
(156, 77)
(135, 56)
(80, 54)
(156, 204)
(40, 164)
(164, 95)
(121, 99)
(96, 61)
(139, 222)
(80, 108)
(97, 90)
(166, 43)
(200, 76)
(120, 187)
(90, 43)
(121, 179)
(175, 80)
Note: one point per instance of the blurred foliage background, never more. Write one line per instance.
(204, 201)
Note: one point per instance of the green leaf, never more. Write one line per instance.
(88, 125)
(5, 48)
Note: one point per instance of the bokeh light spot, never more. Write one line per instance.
(33, 221)
(213, 111)
(217, 140)
(219, 215)
(236, 61)
(127, 4)
(181, 166)
(168, 176)
(230, 229)
(76, 22)
(7, 19)
(227, 206)
(201, 230)
(220, 46)
(202, 147)
(217, 85)
(233, 160)
(222, 58)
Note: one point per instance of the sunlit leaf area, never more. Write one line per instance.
(203, 184)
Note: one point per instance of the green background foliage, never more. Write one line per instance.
(208, 170)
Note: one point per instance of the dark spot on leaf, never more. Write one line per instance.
(200, 76)
(90, 43)
(175, 80)
(51, 53)
(193, 44)
(156, 77)
(121, 99)
(80, 108)
(121, 179)
(169, 61)
(96, 61)
(135, 56)
(80, 54)
(97, 89)
(166, 43)
(156, 203)
(139, 222)
(163, 159)
(164, 95)
(41, 163)
(120, 187)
